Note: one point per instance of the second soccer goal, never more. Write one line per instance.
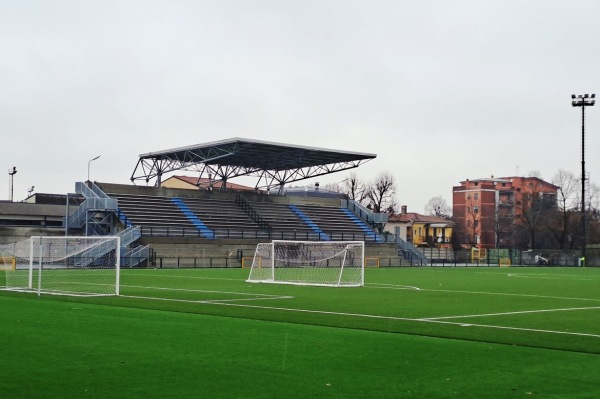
(325, 263)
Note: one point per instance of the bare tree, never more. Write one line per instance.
(437, 206)
(565, 223)
(503, 226)
(472, 218)
(354, 187)
(536, 210)
(381, 193)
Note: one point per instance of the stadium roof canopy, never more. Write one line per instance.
(275, 164)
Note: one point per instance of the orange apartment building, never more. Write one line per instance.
(487, 210)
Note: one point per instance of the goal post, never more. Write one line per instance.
(324, 263)
(64, 265)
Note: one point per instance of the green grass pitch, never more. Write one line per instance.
(409, 333)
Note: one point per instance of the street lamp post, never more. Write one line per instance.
(583, 101)
(89, 162)
(11, 174)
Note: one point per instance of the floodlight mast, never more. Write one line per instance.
(11, 174)
(583, 101)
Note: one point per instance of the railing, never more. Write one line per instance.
(251, 212)
(136, 257)
(77, 218)
(95, 200)
(364, 213)
(89, 191)
(190, 232)
(409, 251)
(129, 235)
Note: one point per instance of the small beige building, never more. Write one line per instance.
(421, 230)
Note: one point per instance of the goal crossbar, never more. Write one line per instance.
(322, 263)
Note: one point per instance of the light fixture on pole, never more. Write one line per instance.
(89, 162)
(30, 191)
(11, 173)
(583, 101)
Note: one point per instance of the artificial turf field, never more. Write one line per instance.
(409, 333)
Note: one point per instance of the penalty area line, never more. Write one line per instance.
(207, 301)
(203, 291)
(406, 319)
(510, 313)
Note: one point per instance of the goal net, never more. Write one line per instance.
(63, 265)
(326, 263)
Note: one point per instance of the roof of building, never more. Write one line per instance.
(413, 217)
(276, 163)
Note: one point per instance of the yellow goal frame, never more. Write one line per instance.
(247, 262)
(372, 262)
(8, 263)
(504, 262)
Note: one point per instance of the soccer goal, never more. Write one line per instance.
(326, 263)
(64, 265)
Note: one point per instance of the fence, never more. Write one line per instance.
(436, 258)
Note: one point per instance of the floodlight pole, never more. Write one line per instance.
(11, 174)
(89, 162)
(583, 101)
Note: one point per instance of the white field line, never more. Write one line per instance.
(210, 301)
(404, 287)
(370, 316)
(513, 328)
(186, 277)
(254, 294)
(549, 277)
(509, 313)
(392, 286)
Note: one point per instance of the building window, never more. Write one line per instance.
(476, 196)
(475, 209)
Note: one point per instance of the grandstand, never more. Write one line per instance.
(218, 226)
(189, 223)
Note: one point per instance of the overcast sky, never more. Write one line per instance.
(440, 90)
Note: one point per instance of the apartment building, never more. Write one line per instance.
(486, 211)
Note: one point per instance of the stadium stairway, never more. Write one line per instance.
(363, 226)
(310, 223)
(98, 215)
(204, 230)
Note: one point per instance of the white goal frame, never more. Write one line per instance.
(320, 263)
(65, 265)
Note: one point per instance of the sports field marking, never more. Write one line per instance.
(510, 313)
(254, 294)
(392, 286)
(399, 287)
(187, 277)
(207, 301)
(514, 328)
(551, 277)
(231, 302)
(411, 319)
